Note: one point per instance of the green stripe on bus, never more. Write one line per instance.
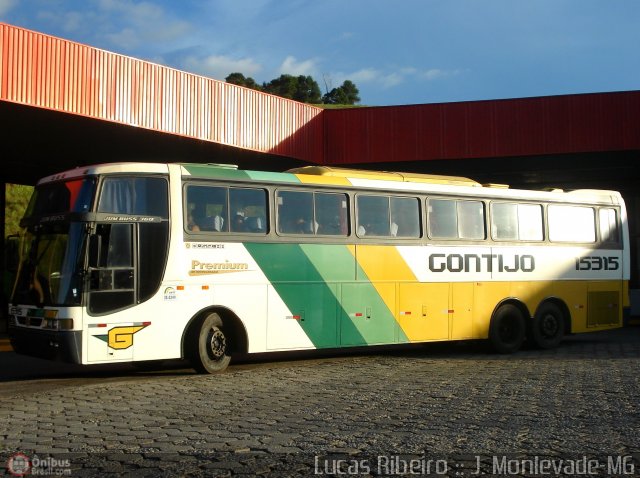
(215, 172)
(267, 176)
(303, 289)
(365, 318)
(317, 282)
(208, 171)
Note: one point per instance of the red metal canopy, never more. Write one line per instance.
(47, 72)
(485, 129)
(41, 71)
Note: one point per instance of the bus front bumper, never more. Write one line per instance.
(65, 346)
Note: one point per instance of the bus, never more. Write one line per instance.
(133, 262)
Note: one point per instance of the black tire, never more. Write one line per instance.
(547, 327)
(507, 329)
(210, 352)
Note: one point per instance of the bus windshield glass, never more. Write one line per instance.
(51, 264)
(75, 195)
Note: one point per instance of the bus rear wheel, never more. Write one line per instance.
(211, 352)
(547, 328)
(507, 329)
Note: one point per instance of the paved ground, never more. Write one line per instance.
(450, 408)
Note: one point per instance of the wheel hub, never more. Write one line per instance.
(549, 325)
(217, 344)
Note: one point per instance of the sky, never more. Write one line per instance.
(396, 51)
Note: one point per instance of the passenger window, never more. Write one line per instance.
(443, 219)
(373, 215)
(510, 221)
(295, 212)
(471, 220)
(504, 221)
(456, 219)
(331, 214)
(248, 210)
(222, 209)
(530, 226)
(571, 224)
(405, 217)
(609, 225)
(207, 209)
(302, 212)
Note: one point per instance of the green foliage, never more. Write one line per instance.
(347, 94)
(300, 88)
(240, 80)
(283, 86)
(307, 90)
(17, 200)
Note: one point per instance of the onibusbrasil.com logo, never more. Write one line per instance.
(20, 464)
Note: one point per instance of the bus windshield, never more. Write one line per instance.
(51, 264)
(75, 195)
(51, 255)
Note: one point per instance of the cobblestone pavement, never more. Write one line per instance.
(449, 408)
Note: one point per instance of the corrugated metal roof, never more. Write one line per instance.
(48, 72)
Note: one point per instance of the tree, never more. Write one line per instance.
(284, 86)
(307, 90)
(347, 94)
(17, 200)
(351, 92)
(16, 203)
(300, 88)
(240, 80)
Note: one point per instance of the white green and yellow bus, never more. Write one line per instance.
(139, 262)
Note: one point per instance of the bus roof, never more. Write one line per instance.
(385, 175)
(331, 176)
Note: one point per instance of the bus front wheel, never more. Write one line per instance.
(211, 352)
(547, 328)
(507, 329)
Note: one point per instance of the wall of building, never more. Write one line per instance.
(484, 129)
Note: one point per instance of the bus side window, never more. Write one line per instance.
(405, 217)
(443, 220)
(571, 223)
(608, 225)
(248, 209)
(373, 215)
(530, 222)
(207, 209)
(471, 220)
(295, 212)
(504, 221)
(331, 214)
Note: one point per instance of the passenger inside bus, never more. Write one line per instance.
(238, 223)
(298, 225)
(254, 224)
(191, 224)
(215, 223)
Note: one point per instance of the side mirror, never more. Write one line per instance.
(95, 249)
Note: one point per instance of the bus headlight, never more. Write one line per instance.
(15, 311)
